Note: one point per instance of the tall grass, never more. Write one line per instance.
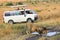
(6, 29)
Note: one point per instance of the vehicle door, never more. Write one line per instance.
(22, 16)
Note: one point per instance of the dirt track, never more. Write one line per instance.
(36, 37)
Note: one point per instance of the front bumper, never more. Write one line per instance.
(35, 18)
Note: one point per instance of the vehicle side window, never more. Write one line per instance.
(22, 13)
(17, 13)
(7, 14)
(28, 12)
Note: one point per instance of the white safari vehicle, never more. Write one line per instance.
(16, 16)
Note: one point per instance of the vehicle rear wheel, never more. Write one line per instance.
(10, 22)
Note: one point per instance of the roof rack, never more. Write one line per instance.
(19, 7)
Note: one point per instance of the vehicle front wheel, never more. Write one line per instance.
(29, 20)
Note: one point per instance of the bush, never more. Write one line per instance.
(45, 1)
(38, 10)
(9, 4)
(19, 3)
(1, 4)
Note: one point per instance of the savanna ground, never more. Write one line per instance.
(49, 16)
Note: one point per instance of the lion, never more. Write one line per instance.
(32, 28)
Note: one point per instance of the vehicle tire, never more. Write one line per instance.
(10, 22)
(29, 20)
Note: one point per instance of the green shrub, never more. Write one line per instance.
(45, 1)
(9, 4)
(38, 10)
(1, 4)
(19, 3)
(35, 2)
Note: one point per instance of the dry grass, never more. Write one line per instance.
(49, 15)
(6, 29)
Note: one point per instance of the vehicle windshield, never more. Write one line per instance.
(33, 11)
(30, 12)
